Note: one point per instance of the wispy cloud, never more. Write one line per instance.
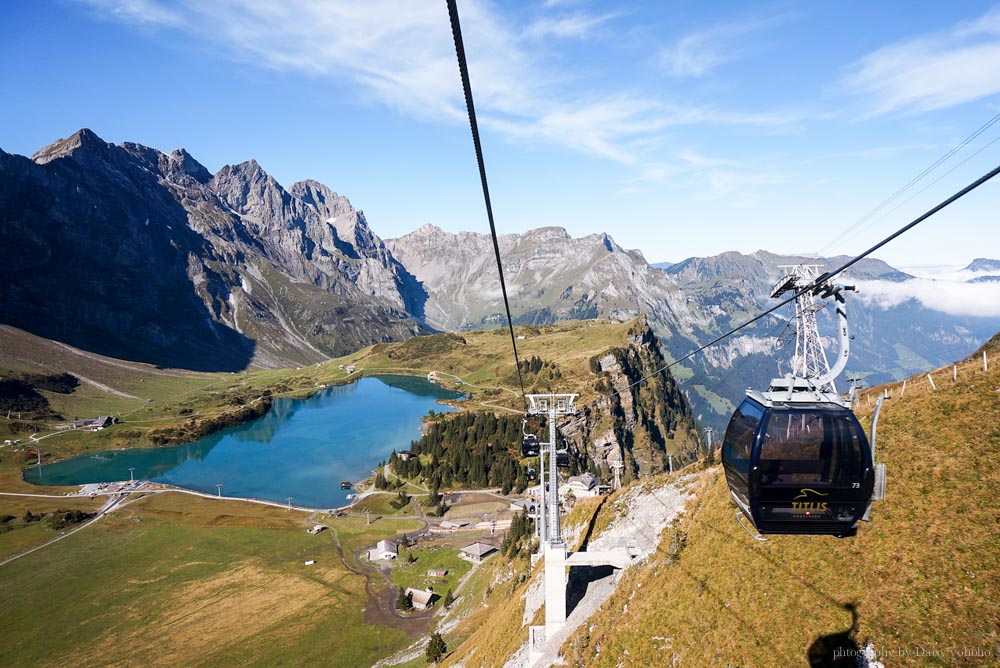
(138, 11)
(579, 25)
(873, 152)
(739, 187)
(400, 53)
(694, 55)
(931, 72)
(707, 178)
(951, 297)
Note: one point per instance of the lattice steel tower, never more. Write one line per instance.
(809, 360)
(551, 405)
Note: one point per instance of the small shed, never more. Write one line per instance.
(476, 552)
(452, 525)
(421, 598)
(437, 572)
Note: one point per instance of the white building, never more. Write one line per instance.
(421, 598)
(582, 486)
(385, 549)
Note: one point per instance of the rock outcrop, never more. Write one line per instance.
(640, 424)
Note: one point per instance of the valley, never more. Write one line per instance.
(229, 303)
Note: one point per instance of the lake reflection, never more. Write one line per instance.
(301, 448)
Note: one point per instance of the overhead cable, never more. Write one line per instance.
(822, 279)
(456, 31)
(846, 234)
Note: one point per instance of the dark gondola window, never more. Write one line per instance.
(739, 437)
(810, 448)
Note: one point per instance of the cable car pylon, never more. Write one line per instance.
(809, 360)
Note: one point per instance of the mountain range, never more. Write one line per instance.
(143, 255)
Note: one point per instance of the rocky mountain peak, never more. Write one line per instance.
(983, 264)
(249, 190)
(83, 140)
(428, 230)
(544, 234)
(248, 170)
(190, 166)
(327, 203)
(201, 271)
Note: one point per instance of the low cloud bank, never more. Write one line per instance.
(948, 296)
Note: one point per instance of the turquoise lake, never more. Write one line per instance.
(302, 448)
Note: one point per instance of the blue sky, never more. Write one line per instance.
(680, 128)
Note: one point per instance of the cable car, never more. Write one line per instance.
(531, 474)
(529, 446)
(562, 458)
(797, 467)
(795, 457)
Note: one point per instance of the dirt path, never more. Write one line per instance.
(381, 607)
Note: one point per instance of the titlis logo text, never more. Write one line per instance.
(809, 505)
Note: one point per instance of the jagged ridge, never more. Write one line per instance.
(144, 255)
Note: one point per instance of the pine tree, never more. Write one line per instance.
(449, 598)
(403, 601)
(436, 648)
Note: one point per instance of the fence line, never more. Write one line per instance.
(960, 372)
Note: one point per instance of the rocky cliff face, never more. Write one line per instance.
(135, 253)
(550, 277)
(638, 424)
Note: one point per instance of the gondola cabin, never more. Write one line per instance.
(562, 458)
(529, 446)
(798, 467)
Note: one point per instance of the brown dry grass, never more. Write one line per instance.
(227, 609)
(923, 575)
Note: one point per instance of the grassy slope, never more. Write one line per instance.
(485, 356)
(23, 536)
(440, 556)
(923, 575)
(184, 581)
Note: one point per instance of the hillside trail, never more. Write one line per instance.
(381, 607)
